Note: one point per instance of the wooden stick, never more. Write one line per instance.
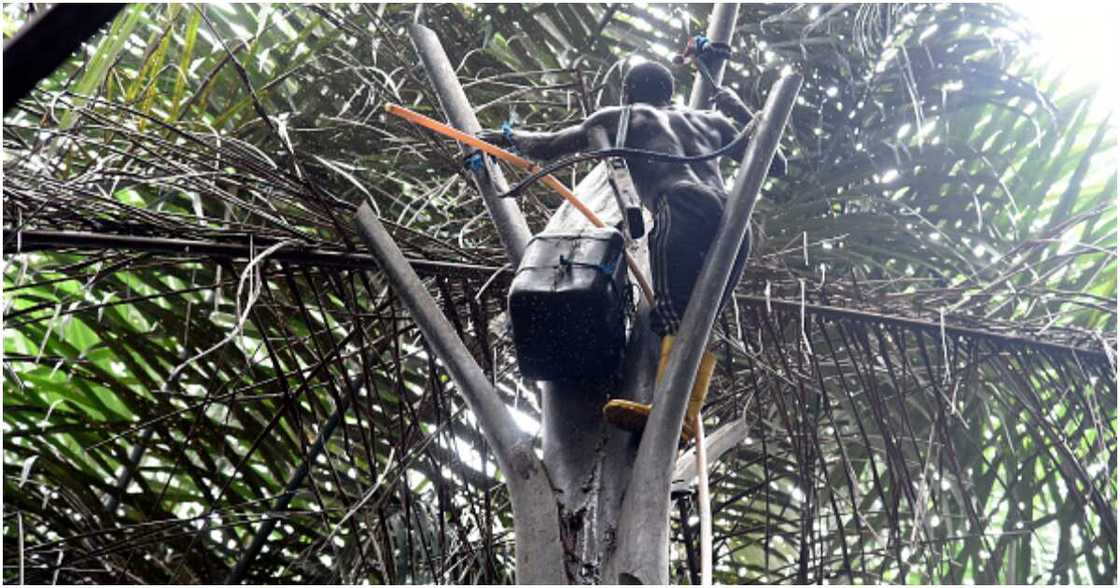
(705, 500)
(434, 125)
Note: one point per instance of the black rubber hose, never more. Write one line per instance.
(625, 152)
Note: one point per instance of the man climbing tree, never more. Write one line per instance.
(686, 198)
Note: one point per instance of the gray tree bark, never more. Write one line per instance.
(590, 462)
(721, 28)
(643, 549)
(538, 546)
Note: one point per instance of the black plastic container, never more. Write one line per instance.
(567, 307)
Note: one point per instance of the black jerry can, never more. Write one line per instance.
(567, 307)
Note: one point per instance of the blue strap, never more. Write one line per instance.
(566, 264)
(705, 45)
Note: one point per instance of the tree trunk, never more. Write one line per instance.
(589, 462)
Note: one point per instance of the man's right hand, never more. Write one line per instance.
(725, 96)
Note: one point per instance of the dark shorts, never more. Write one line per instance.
(686, 220)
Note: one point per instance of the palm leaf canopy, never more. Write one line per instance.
(919, 364)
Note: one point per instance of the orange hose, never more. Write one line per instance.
(449, 131)
(434, 125)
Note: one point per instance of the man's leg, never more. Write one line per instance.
(685, 224)
(737, 269)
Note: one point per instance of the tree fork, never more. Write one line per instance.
(538, 548)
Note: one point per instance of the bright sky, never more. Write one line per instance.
(1082, 38)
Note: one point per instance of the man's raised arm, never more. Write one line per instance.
(728, 103)
(543, 146)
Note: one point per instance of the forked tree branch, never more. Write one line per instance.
(539, 552)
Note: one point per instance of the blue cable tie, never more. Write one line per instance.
(507, 132)
(474, 161)
(701, 43)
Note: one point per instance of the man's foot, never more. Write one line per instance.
(632, 416)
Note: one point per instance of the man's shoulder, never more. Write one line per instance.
(677, 110)
(661, 115)
(662, 112)
(662, 108)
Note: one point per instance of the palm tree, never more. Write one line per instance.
(916, 380)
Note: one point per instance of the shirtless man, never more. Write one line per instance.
(686, 200)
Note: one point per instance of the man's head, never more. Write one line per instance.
(648, 82)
